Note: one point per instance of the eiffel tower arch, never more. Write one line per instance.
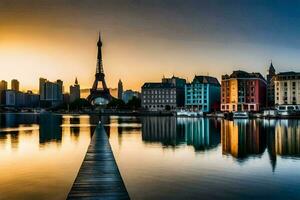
(99, 93)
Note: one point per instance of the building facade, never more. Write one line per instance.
(14, 98)
(243, 91)
(287, 88)
(15, 85)
(74, 91)
(51, 93)
(169, 94)
(203, 94)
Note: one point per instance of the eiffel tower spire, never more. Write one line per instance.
(99, 68)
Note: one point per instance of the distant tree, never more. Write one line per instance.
(116, 103)
(134, 103)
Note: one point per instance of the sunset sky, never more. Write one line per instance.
(144, 39)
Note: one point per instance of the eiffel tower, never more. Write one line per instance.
(99, 96)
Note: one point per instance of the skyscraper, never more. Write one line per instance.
(3, 85)
(74, 91)
(120, 89)
(15, 85)
(50, 92)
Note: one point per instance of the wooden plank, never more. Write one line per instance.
(99, 176)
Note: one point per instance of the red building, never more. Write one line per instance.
(243, 91)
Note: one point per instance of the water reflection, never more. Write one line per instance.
(202, 133)
(50, 126)
(50, 130)
(287, 138)
(241, 139)
(41, 151)
(188, 158)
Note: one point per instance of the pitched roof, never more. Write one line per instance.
(206, 79)
(243, 74)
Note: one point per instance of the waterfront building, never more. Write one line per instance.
(287, 88)
(51, 93)
(15, 84)
(168, 94)
(243, 91)
(120, 89)
(13, 98)
(270, 86)
(203, 94)
(74, 91)
(129, 94)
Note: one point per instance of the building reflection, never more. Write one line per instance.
(242, 138)
(287, 138)
(160, 129)
(201, 133)
(50, 130)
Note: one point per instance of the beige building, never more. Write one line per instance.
(287, 88)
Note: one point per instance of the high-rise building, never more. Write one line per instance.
(51, 93)
(15, 85)
(243, 91)
(120, 89)
(169, 94)
(203, 94)
(287, 86)
(74, 91)
(270, 86)
(3, 85)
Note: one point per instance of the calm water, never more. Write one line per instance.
(40, 155)
(158, 157)
(165, 158)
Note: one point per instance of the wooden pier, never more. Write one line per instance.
(99, 176)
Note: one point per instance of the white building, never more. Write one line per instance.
(287, 88)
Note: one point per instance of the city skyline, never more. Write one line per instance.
(145, 39)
